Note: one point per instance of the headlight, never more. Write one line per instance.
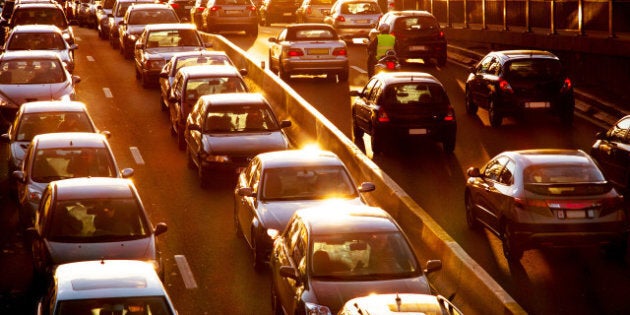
(216, 158)
(132, 37)
(316, 309)
(155, 64)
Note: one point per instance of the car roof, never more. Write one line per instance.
(309, 26)
(407, 76)
(405, 13)
(53, 106)
(209, 71)
(292, 158)
(149, 5)
(334, 218)
(93, 187)
(549, 156)
(170, 26)
(506, 55)
(106, 278)
(235, 99)
(29, 54)
(70, 139)
(36, 28)
(200, 53)
(410, 303)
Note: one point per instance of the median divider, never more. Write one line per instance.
(461, 279)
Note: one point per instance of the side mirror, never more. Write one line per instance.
(288, 272)
(245, 191)
(273, 40)
(355, 93)
(76, 79)
(433, 265)
(366, 187)
(285, 124)
(73, 47)
(160, 228)
(127, 172)
(473, 172)
(19, 176)
(243, 71)
(5, 138)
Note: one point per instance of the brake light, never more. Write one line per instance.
(390, 65)
(567, 85)
(340, 18)
(175, 6)
(450, 115)
(441, 35)
(524, 202)
(382, 117)
(251, 8)
(215, 8)
(340, 52)
(295, 53)
(200, 9)
(505, 86)
(309, 11)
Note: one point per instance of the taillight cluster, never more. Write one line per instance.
(566, 85)
(309, 11)
(215, 8)
(381, 116)
(340, 18)
(505, 86)
(340, 52)
(294, 52)
(450, 114)
(251, 8)
(175, 6)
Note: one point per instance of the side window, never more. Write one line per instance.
(368, 88)
(376, 92)
(493, 169)
(299, 249)
(507, 176)
(484, 65)
(42, 214)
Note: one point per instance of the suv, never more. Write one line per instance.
(418, 35)
(118, 12)
(273, 11)
(42, 13)
(220, 15)
(136, 18)
(395, 106)
(510, 82)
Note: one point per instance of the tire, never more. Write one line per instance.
(471, 107)
(144, 81)
(259, 259)
(237, 226)
(495, 118)
(377, 144)
(441, 60)
(343, 76)
(203, 178)
(181, 141)
(281, 73)
(163, 106)
(471, 220)
(357, 136)
(448, 144)
(189, 160)
(512, 251)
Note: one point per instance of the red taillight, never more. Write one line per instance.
(567, 84)
(340, 18)
(295, 53)
(382, 117)
(309, 11)
(200, 9)
(251, 8)
(340, 52)
(175, 6)
(505, 86)
(441, 35)
(390, 65)
(215, 8)
(450, 116)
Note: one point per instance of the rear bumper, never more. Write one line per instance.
(569, 235)
(315, 66)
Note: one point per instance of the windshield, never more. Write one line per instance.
(362, 255)
(202, 60)
(32, 72)
(240, 119)
(38, 123)
(36, 41)
(61, 163)
(310, 182)
(132, 305)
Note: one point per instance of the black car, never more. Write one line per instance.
(398, 106)
(136, 18)
(611, 150)
(510, 82)
(418, 35)
(274, 11)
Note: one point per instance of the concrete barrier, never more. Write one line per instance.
(461, 278)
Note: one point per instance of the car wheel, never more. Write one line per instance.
(237, 226)
(181, 141)
(189, 160)
(343, 76)
(144, 80)
(377, 143)
(495, 118)
(441, 60)
(259, 259)
(471, 107)
(448, 144)
(138, 75)
(471, 220)
(357, 136)
(114, 42)
(128, 53)
(163, 106)
(512, 251)
(281, 73)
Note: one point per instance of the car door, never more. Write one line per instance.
(479, 82)
(487, 191)
(362, 109)
(247, 207)
(613, 153)
(275, 50)
(293, 254)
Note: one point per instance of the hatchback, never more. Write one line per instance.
(224, 131)
(230, 15)
(106, 287)
(545, 197)
(93, 218)
(399, 303)
(275, 184)
(313, 11)
(354, 18)
(511, 82)
(136, 18)
(41, 37)
(611, 150)
(275, 11)
(328, 255)
(395, 107)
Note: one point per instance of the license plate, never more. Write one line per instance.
(361, 21)
(232, 12)
(537, 104)
(418, 48)
(287, 14)
(575, 214)
(317, 51)
(188, 7)
(418, 131)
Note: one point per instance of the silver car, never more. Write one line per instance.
(114, 286)
(93, 218)
(54, 156)
(136, 18)
(312, 48)
(28, 76)
(354, 18)
(41, 37)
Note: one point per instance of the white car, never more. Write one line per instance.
(41, 37)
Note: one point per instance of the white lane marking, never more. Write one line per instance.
(136, 155)
(89, 58)
(184, 270)
(358, 69)
(108, 93)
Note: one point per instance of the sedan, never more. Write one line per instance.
(184, 59)
(611, 150)
(54, 156)
(41, 37)
(275, 184)
(330, 254)
(308, 49)
(28, 76)
(545, 197)
(224, 131)
(158, 43)
(136, 18)
(194, 81)
(70, 225)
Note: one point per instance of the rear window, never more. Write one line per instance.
(415, 94)
(312, 34)
(152, 17)
(39, 16)
(416, 23)
(360, 8)
(533, 69)
(562, 173)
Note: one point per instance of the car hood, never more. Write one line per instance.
(18, 150)
(135, 28)
(335, 293)
(139, 249)
(244, 143)
(276, 214)
(21, 93)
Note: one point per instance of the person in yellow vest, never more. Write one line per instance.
(378, 47)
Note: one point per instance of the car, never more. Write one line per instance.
(136, 18)
(192, 82)
(399, 303)
(225, 130)
(28, 76)
(328, 255)
(86, 14)
(275, 184)
(5, 15)
(61, 155)
(35, 118)
(118, 13)
(42, 13)
(103, 11)
(41, 37)
(395, 107)
(91, 218)
(512, 82)
(185, 59)
(158, 43)
(354, 18)
(276, 11)
(313, 11)
(106, 286)
(230, 15)
(309, 48)
(545, 198)
(182, 8)
(611, 152)
(195, 13)
(418, 35)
